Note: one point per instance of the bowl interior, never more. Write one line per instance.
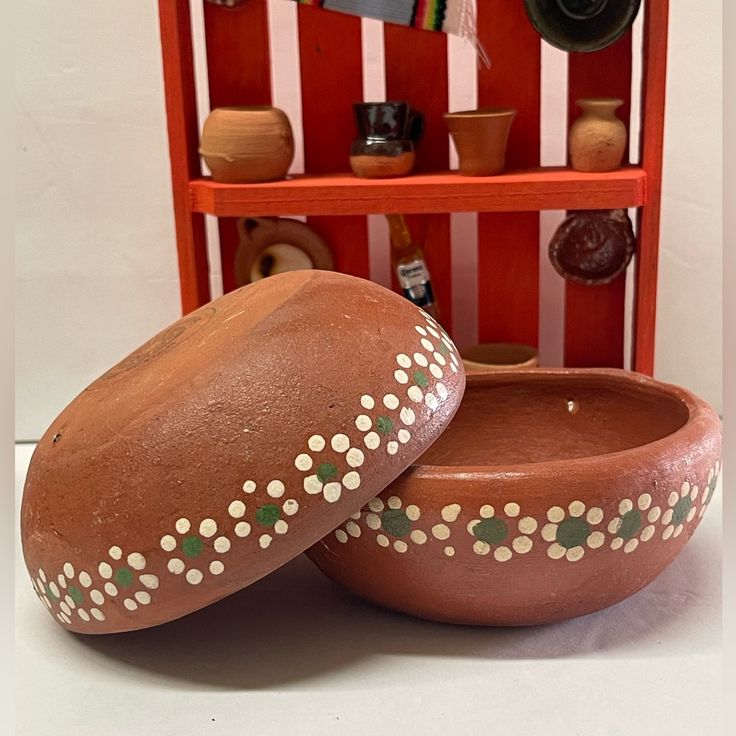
(513, 419)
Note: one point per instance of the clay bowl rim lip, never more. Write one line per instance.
(490, 111)
(246, 108)
(599, 101)
(700, 417)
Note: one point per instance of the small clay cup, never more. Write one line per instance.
(480, 138)
(244, 145)
(494, 356)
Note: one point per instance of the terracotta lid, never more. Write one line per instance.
(230, 443)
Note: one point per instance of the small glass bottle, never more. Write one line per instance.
(411, 270)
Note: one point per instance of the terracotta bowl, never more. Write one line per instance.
(552, 493)
(494, 356)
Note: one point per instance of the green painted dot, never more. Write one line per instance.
(76, 595)
(326, 472)
(630, 524)
(124, 577)
(384, 425)
(421, 380)
(492, 530)
(396, 522)
(192, 546)
(680, 510)
(572, 532)
(268, 514)
(49, 593)
(443, 348)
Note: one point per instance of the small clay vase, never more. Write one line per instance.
(247, 144)
(387, 135)
(597, 140)
(495, 356)
(480, 138)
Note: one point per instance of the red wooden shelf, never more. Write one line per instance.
(344, 194)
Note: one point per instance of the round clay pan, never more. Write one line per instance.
(228, 444)
(553, 493)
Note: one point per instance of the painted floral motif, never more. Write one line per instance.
(571, 532)
(191, 547)
(681, 509)
(710, 487)
(494, 533)
(634, 523)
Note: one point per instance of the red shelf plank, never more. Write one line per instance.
(344, 194)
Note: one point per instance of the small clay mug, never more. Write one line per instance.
(247, 144)
(480, 138)
(388, 132)
(494, 356)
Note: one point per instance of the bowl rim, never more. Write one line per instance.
(701, 423)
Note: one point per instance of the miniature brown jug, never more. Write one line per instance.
(597, 139)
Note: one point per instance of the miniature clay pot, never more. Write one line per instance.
(597, 140)
(228, 444)
(552, 494)
(480, 138)
(593, 247)
(247, 144)
(273, 245)
(493, 356)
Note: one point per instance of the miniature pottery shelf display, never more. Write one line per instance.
(494, 356)
(480, 138)
(388, 133)
(597, 140)
(273, 245)
(244, 145)
(228, 444)
(553, 493)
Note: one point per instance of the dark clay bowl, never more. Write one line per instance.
(552, 493)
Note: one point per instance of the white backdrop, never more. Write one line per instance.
(95, 257)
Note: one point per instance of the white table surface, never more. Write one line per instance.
(295, 654)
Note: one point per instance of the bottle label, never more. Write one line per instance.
(414, 281)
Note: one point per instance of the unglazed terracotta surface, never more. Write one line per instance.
(597, 138)
(553, 493)
(480, 138)
(228, 444)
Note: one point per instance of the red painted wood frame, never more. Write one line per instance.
(331, 78)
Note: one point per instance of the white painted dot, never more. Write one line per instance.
(168, 543)
(440, 531)
(647, 532)
(400, 545)
(596, 540)
(62, 581)
(522, 545)
(332, 492)
(415, 394)
(64, 607)
(208, 528)
(403, 360)
(575, 553)
(194, 576)
(130, 604)
(236, 509)
(340, 443)
(512, 509)
(68, 570)
(440, 358)
(667, 533)
(65, 618)
(183, 526)
(352, 529)
(372, 440)
(667, 516)
(421, 330)
(143, 597)
(394, 502)
(435, 370)
(431, 401)
(281, 527)
(216, 567)
(625, 506)
(549, 532)
(363, 422)
(481, 548)
(221, 545)
(303, 462)
(684, 488)
(275, 489)
(312, 485)
(454, 368)
(341, 536)
(70, 601)
(449, 551)
(644, 502)
(373, 521)
(83, 614)
(291, 506)
(653, 514)
(614, 525)
(382, 539)
(351, 480)
(427, 345)
(392, 447)
(110, 589)
(242, 529)
(694, 494)
(316, 443)
(115, 552)
(502, 554)
(354, 457)
(556, 514)
(390, 401)
(136, 560)
(631, 545)
(249, 486)
(85, 579)
(42, 575)
(401, 376)
(450, 512)
(54, 588)
(595, 515)
(105, 570)
(97, 614)
(616, 542)
(673, 498)
(576, 508)
(375, 504)
(264, 540)
(487, 511)
(412, 512)
(678, 530)
(149, 581)
(367, 402)
(421, 360)
(175, 566)
(441, 390)
(407, 416)
(691, 514)
(418, 536)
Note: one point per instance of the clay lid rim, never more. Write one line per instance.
(702, 422)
